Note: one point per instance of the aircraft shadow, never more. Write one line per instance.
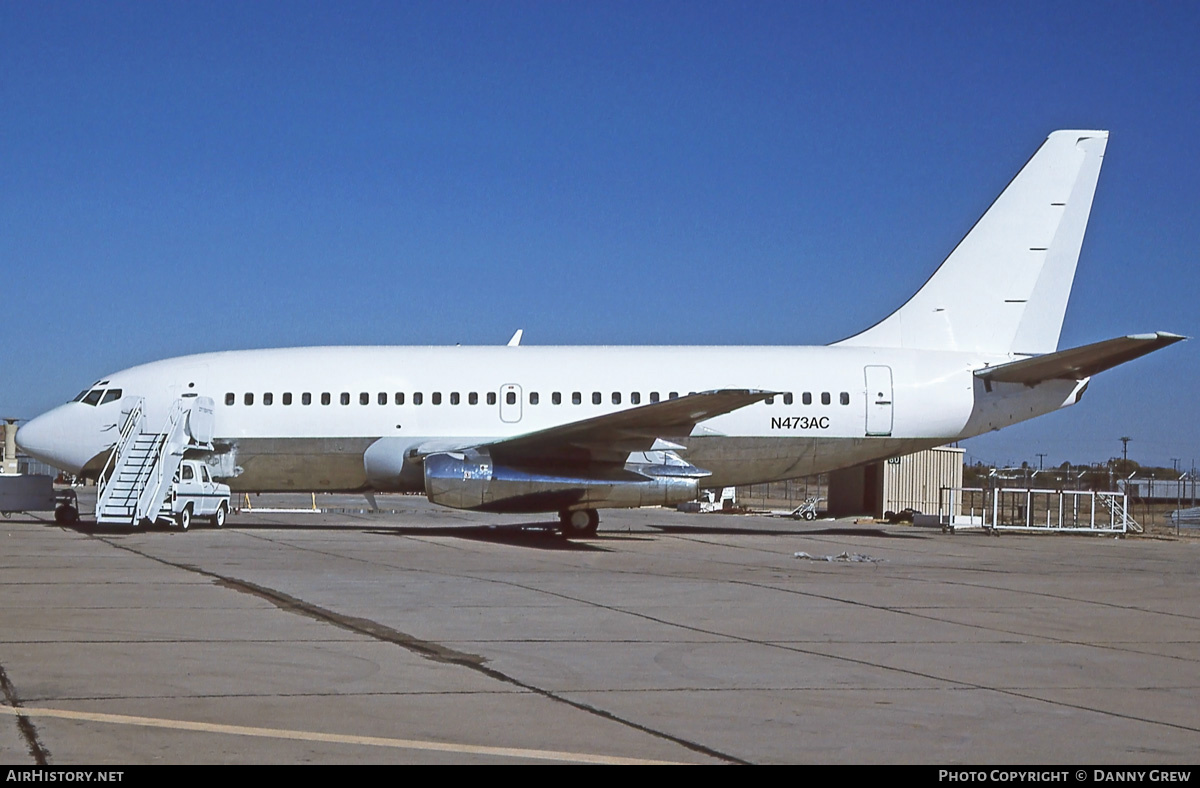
(537, 536)
(541, 536)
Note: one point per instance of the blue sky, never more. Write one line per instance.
(185, 177)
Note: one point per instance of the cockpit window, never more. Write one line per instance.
(93, 397)
(111, 396)
(82, 394)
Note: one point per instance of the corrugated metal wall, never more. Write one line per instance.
(913, 481)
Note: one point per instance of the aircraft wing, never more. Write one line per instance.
(1078, 363)
(612, 437)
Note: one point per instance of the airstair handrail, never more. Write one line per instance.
(127, 432)
(174, 416)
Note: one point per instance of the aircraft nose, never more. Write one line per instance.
(44, 439)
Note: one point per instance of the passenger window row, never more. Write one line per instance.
(472, 398)
(435, 398)
(806, 398)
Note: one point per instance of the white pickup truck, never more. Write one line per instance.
(194, 493)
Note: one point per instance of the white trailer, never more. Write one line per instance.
(36, 493)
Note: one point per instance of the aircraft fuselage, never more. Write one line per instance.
(344, 418)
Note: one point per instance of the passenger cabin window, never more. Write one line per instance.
(616, 398)
(454, 398)
(635, 397)
(382, 398)
(845, 398)
(473, 398)
(287, 398)
(824, 397)
(806, 398)
(596, 398)
(436, 398)
(268, 398)
(364, 398)
(787, 398)
(770, 400)
(491, 398)
(345, 398)
(654, 396)
(229, 398)
(399, 398)
(556, 398)
(511, 397)
(325, 398)
(418, 398)
(248, 399)
(306, 398)
(533, 398)
(576, 398)
(673, 395)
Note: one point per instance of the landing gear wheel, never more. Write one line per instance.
(66, 515)
(218, 519)
(579, 523)
(184, 519)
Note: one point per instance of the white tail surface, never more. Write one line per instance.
(1004, 288)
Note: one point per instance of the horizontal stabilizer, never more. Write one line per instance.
(1078, 363)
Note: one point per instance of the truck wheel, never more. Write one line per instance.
(184, 518)
(218, 519)
(66, 515)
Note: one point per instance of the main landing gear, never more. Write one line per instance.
(579, 523)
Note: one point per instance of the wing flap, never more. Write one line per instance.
(1078, 363)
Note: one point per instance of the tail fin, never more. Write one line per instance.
(1004, 288)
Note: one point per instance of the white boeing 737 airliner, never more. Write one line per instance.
(576, 429)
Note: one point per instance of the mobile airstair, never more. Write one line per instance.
(137, 478)
(1117, 505)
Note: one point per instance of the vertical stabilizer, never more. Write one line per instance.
(1004, 288)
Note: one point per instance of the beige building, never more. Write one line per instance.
(913, 481)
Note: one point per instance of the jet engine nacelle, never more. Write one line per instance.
(470, 480)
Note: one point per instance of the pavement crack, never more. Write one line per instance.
(363, 626)
(40, 755)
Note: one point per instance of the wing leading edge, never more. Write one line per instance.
(612, 437)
